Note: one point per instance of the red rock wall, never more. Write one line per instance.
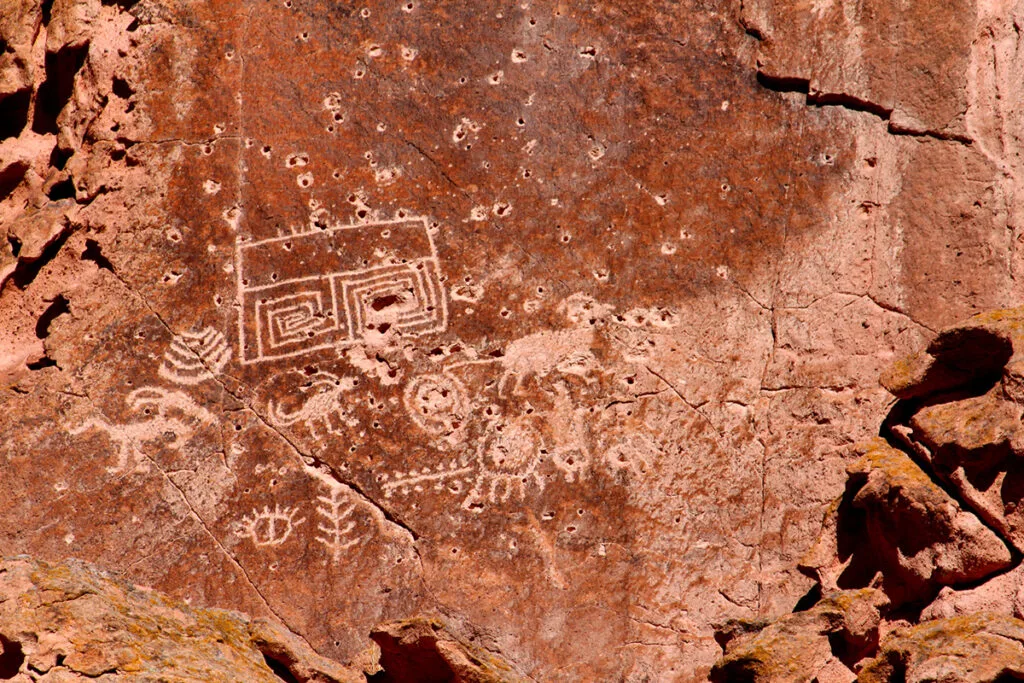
(556, 321)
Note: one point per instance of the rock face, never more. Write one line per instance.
(973, 649)
(809, 645)
(71, 622)
(553, 321)
(927, 526)
(919, 537)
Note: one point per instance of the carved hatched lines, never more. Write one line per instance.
(335, 527)
(195, 356)
(341, 523)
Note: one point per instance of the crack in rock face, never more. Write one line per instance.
(520, 323)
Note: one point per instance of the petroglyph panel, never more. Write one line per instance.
(555, 328)
(329, 288)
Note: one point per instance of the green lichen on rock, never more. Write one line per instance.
(842, 626)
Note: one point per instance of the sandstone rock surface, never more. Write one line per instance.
(980, 648)
(556, 321)
(815, 644)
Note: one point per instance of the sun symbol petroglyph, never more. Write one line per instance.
(268, 527)
(331, 287)
(437, 403)
(507, 461)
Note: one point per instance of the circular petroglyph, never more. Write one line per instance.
(436, 403)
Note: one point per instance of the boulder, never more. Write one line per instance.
(977, 648)
(71, 621)
(821, 644)
(976, 350)
(422, 650)
(894, 528)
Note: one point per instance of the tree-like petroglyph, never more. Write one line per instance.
(331, 288)
(335, 527)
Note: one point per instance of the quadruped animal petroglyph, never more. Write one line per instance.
(322, 407)
(167, 416)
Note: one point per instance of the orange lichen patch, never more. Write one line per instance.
(976, 648)
(74, 620)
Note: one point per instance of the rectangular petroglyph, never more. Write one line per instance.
(325, 289)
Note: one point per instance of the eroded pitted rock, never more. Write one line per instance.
(978, 648)
(820, 644)
(70, 622)
(896, 529)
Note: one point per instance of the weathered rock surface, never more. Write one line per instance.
(72, 622)
(979, 648)
(557, 320)
(421, 650)
(894, 528)
(813, 645)
(906, 526)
